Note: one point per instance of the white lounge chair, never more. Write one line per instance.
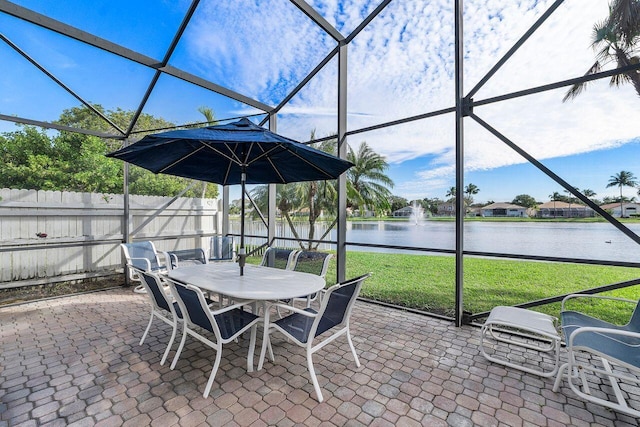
(597, 350)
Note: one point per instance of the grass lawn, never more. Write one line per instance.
(428, 282)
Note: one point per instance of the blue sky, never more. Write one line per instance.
(401, 65)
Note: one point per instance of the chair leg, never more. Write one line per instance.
(556, 384)
(353, 349)
(173, 337)
(144, 336)
(252, 345)
(184, 338)
(265, 336)
(213, 371)
(273, 358)
(312, 374)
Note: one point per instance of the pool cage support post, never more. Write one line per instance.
(460, 208)
(127, 219)
(341, 249)
(271, 194)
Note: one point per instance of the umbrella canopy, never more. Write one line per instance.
(220, 154)
(234, 153)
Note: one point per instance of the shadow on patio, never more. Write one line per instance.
(76, 361)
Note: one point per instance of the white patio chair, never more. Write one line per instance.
(303, 326)
(312, 262)
(185, 257)
(162, 307)
(283, 259)
(599, 350)
(143, 256)
(222, 248)
(226, 324)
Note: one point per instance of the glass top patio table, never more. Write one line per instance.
(257, 283)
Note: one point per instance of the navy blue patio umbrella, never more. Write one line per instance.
(235, 153)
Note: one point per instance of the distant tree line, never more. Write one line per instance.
(33, 158)
(621, 179)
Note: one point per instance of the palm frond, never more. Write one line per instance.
(578, 88)
(625, 16)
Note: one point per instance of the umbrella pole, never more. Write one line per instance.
(241, 252)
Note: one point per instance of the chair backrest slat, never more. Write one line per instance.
(222, 248)
(337, 304)
(193, 304)
(634, 322)
(184, 257)
(142, 250)
(312, 262)
(279, 258)
(153, 284)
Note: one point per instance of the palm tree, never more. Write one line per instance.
(622, 179)
(590, 194)
(470, 190)
(319, 197)
(286, 202)
(367, 183)
(365, 187)
(208, 114)
(616, 41)
(316, 196)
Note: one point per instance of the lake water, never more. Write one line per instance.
(598, 241)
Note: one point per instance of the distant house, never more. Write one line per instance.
(363, 213)
(474, 211)
(503, 210)
(558, 209)
(628, 209)
(446, 209)
(405, 212)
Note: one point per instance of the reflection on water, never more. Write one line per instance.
(364, 225)
(599, 241)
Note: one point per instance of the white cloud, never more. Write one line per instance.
(255, 47)
(402, 65)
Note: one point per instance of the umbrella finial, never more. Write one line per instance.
(243, 122)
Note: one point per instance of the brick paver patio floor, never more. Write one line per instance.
(76, 361)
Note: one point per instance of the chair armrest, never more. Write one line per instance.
(233, 306)
(606, 334)
(169, 260)
(203, 255)
(291, 308)
(162, 257)
(605, 297)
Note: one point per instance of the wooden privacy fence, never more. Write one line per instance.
(53, 236)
